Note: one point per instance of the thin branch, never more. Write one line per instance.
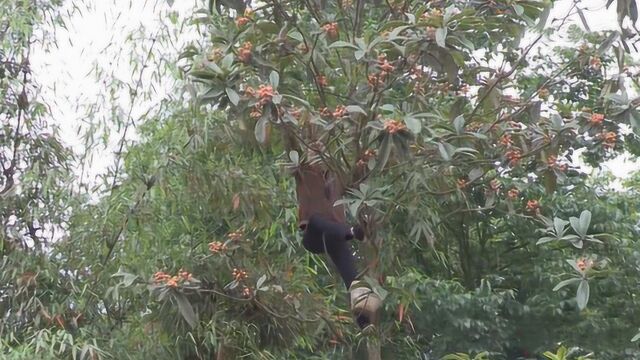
(129, 119)
(521, 59)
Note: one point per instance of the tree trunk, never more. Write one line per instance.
(224, 352)
(372, 256)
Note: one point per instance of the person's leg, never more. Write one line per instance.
(321, 235)
(342, 257)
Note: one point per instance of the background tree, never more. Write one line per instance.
(467, 133)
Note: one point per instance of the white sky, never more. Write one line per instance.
(98, 35)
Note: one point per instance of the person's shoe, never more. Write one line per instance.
(364, 302)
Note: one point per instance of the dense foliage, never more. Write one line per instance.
(462, 138)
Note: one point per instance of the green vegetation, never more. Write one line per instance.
(462, 132)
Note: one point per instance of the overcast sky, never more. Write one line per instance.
(98, 36)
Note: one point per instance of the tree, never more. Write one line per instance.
(459, 137)
(34, 182)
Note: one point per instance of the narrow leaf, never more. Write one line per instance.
(342, 44)
(186, 310)
(384, 153)
(518, 9)
(545, 240)
(567, 282)
(458, 124)
(261, 281)
(355, 109)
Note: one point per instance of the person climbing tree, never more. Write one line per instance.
(325, 230)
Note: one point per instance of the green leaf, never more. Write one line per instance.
(550, 355)
(413, 124)
(556, 121)
(296, 35)
(463, 150)
(475, 174)
(261, 281)
(355, 109)
(295, 158)
(441, 35)
(384, 153)
(560, 226)
(388, 108)
(636, 338)
(375, 286)
(393, 34)
(233, 96)
(585, 220)
(227, 61)
(127, 278)
(260, 130)
(593, 239)
(215, 68)
(582, 295)
(562, 352)
(186, 309)
(274, 79)
(457, 356)
(342, 44)
(545, 240)
(211, 94)
(444, 153)
(203, 74)
(567, 282)
(458, 124)
(518, 9)
(359, 54)
(577, 243)
(576, 224)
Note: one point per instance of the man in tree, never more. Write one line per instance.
(325, 230)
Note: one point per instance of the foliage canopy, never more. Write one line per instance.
(459, 133)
